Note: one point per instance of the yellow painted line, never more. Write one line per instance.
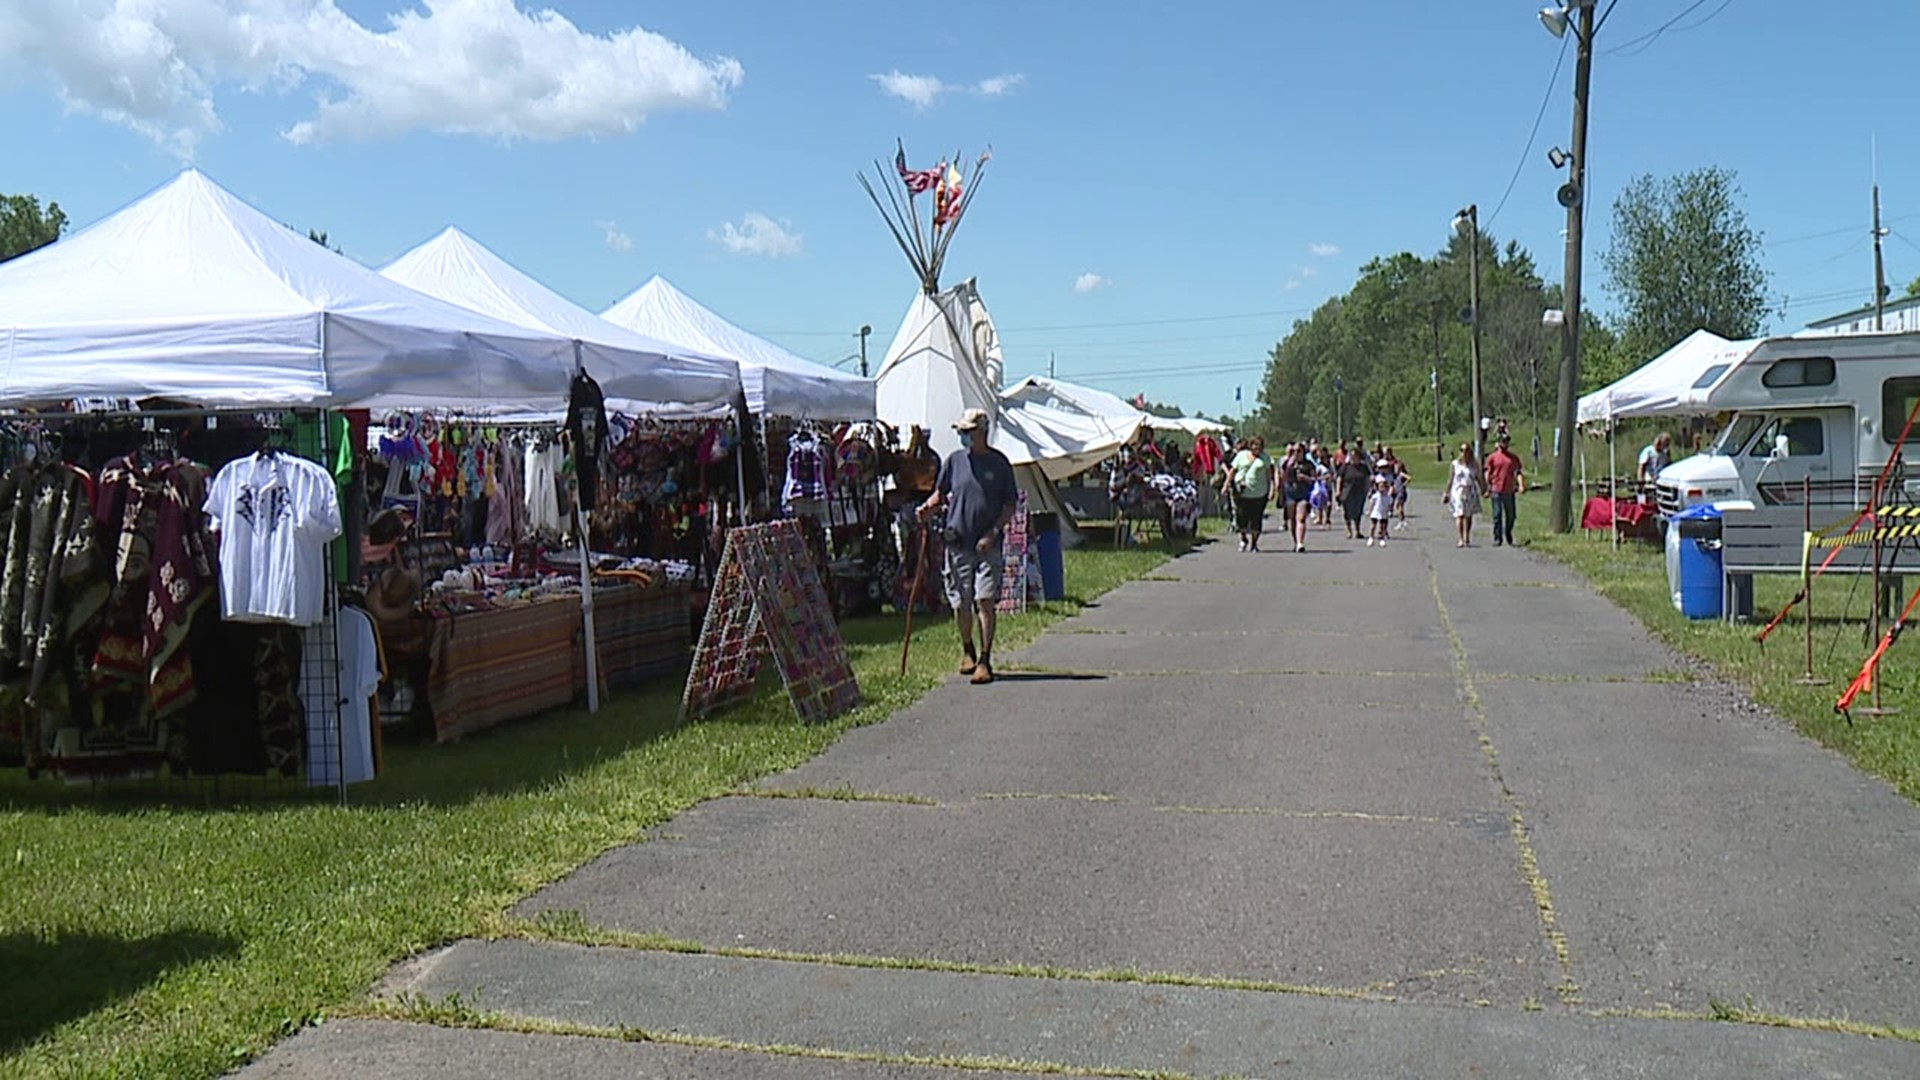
(1568, 990)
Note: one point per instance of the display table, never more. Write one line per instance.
(486, 667)
(642, 632)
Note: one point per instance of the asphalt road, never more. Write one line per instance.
(1400, 811)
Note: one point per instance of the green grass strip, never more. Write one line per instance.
(455, 1013)
(572, 931)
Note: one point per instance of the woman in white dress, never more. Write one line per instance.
(1463, 493)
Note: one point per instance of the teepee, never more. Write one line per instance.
(946, 357)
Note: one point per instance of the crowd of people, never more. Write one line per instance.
(1310, 481)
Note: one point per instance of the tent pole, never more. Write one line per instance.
(586, 611)
(1613, 471)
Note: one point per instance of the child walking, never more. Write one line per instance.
(1380, 509)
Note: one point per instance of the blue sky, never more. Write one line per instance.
(1217, 167)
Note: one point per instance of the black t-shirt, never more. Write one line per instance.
(1355, 475)
(587, 429)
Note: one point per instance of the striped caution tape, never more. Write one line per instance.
(1902, 523)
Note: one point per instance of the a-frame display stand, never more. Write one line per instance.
(768, 598)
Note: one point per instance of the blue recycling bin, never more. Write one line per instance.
(1702, 576)
(1048, 552)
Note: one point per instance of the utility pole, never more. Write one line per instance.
(1439, 439)
(1472, 214)
(864, 331)
(1049, 363)
(1879, 265)
(1561, 517)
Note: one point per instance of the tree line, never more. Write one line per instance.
(1367, 362)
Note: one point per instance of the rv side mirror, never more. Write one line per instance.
(1780, 447)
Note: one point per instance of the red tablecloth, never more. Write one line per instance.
(1630, 516)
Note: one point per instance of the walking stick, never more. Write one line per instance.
(913, 597)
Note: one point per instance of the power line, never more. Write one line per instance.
(1552, 81)
(1636, 46)
(1085, 326)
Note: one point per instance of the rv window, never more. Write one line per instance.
(1799, 371)
(1710, 376)
(1896, 404)
(1806, 437)
(1734, 439)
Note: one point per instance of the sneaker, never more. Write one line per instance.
(982, 674)
(1369, 541)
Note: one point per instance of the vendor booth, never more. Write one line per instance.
(200, 506)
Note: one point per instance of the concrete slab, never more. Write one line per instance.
(1293, 743)
(355, 1049)
(1697, 854)
(1410, 649)
(1323, 600)
(1183, 1030)
(1551, 632)
(1333, 902)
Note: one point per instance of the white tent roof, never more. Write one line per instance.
(777, 382)
(1192, 425)
(1674, 382)
(1064, 428)
(629, 366)
(191, 294)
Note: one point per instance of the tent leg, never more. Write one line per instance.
(586, 612)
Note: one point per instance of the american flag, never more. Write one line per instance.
(946, 205)
(921, 182)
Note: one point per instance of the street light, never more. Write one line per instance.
(864, 331)
(1571, 195)
(1467, 223)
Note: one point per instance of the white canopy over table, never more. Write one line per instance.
(777, 382)
(193, 295)
(1671, 384)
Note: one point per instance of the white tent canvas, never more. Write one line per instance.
(628, 366)
(931, 374)
(777, 382)
(1064, 428)
(192, 294)
(1672, 383)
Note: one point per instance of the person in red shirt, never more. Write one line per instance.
(1506, 478)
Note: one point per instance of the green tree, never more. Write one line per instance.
(1913, 287)
(1683, 258)
(24, 226)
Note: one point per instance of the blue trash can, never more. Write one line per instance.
(1702, 578)
(1045, 528)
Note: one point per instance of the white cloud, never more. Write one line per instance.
(758, 234)
(616, 239)
(482, 67)
(921, 91)
(1309, 271)
(998, 85)
(1087, 283)
(1323, 249)
(1292, 284)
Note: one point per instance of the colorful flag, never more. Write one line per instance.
(946, 204)
(921, 182)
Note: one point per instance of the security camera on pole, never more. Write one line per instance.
(1467, 222)
(1571, 195)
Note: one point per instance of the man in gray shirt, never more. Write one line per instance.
(978, 491)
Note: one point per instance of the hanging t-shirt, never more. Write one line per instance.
(351, 748)
(806, 472)
(587, 429)
(275, 514)
(543, 490)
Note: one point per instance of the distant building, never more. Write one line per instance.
(1902, 315)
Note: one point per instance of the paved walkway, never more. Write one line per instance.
(1372, 812)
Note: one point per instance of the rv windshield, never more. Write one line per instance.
(1735, 438)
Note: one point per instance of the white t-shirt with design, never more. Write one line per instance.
(275, 514)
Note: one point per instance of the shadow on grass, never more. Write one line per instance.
(51, 980)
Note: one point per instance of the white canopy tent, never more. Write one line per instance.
(1192, 425)
(777, 382)
(1673, 383)
(191, 294)
(629, 366)
(1063, 428)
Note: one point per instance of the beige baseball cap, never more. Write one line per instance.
(971, 419)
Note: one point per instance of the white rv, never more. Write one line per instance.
(1818, 410)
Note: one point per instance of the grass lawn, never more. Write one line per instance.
(180, 938)
(1635, 577)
